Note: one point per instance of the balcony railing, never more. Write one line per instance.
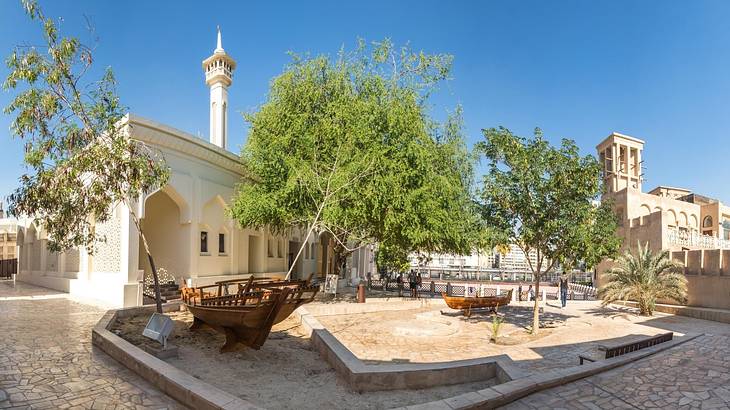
(695, 240)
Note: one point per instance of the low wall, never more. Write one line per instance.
(708, 277)
(708, 291)
(368, 377)
(502, 394)
(172, 381)
(715, 315)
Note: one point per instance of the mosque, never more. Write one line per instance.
(190, 236)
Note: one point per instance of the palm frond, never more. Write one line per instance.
(644, 276)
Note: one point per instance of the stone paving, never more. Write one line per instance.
(10, 290)
(47, 360)
(694, 375)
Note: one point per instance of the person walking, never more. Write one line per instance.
(530, 294)
(412, 283)
(419, 281)
(563, 290)
(399, 280)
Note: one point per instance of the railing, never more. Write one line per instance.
(584, 289)
(695, 240)
(8, 267)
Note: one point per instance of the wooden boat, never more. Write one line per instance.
(467, 303)
(247, 315)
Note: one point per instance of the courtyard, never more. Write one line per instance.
(396, 331)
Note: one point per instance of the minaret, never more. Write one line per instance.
(219, 76)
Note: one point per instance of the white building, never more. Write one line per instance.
(185, 222)
(513, 260)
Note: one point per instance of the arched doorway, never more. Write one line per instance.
(168, 239)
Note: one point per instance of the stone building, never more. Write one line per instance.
(665, 217)
(8, 237)
(695, 228)
(189, 233)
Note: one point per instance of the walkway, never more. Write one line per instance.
(694, 375)
(47, 361)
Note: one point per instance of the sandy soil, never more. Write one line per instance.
(437, 334)
(285, 374)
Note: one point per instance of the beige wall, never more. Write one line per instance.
(708, 277)
(166, 236)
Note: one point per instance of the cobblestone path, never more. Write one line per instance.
(47, 360)
(694, 375)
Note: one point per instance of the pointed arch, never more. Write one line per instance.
(176, 197)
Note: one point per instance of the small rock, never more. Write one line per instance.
(3, 395)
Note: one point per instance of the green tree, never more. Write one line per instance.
(644, 277)
(79, 161)
(346, 146)
(543, 199)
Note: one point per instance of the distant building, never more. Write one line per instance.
(8, 237)
(508, 265)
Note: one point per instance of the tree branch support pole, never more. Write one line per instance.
(304, 241)
(155, 278)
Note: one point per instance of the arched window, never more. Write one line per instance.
(707, 222)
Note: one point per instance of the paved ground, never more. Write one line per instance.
(47, 361)
(694, 375)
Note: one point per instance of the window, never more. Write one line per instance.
(707, 222)
(203, 242)
(313, 252)
(306, 252)
(221, 243)
(270, 248)
(280, 245)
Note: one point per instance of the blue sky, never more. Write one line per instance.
(656, 70)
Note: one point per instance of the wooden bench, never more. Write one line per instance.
(630, 347)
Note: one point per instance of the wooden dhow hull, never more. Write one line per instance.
(246, 316)
(467, 303)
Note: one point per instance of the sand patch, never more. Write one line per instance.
(285, 374)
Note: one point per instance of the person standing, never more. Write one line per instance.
(412, 283)
(419, 281)
(530, 294)
(563, 290)
(399, 279)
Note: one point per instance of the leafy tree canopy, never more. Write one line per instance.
(645, 277)
(79, 160)
(346, 146)
(544, 200)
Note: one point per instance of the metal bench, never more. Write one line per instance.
(630, 347)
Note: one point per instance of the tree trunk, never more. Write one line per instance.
(155, 278)
(536, 306)
(299, 253)
(304, 242)
(340, 261)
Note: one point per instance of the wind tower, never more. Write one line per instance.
(621, 164)
(219, 76)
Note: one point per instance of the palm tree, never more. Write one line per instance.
(644, 278)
